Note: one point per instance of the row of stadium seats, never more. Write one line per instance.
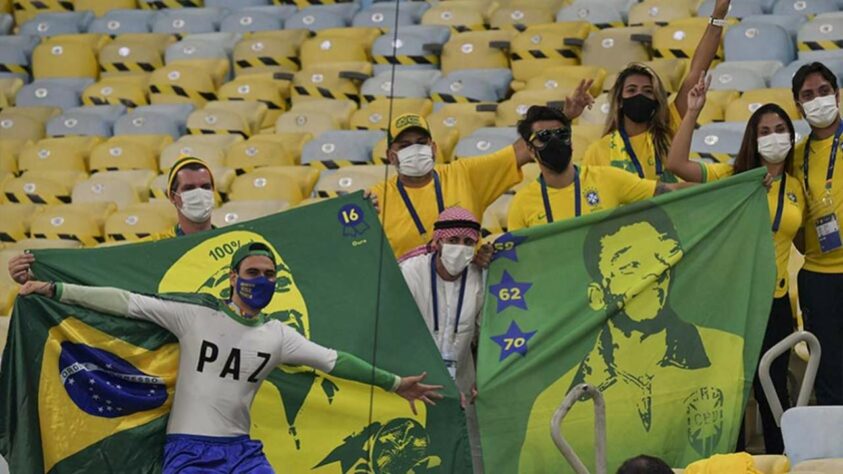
(222, 55)
(462, 15)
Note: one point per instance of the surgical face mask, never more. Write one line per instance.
(556, 154)
(455, 257)
(639, 108)
(197, 204)
(822, 111)
(255, 292)
(774, 147)
(415, 160)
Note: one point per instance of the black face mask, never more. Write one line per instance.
(556, 154)
(639, 108)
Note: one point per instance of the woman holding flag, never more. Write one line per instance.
(769, 142)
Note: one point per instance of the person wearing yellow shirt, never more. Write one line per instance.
(821, 278)
(410, 203)
(768, 141)
(564, 190)
(190, 187)
(641, 121)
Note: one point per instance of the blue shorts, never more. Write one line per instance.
(187, 454)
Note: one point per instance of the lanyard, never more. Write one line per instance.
(780, 204)
(832, 158)
(634, 157)
(436, 298)
(440, 202)
(577, 198)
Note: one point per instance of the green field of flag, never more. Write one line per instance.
(330, 257)
(662, 305)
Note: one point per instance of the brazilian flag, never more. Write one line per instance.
(661, 305)
(82, 391)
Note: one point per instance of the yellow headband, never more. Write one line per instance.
(181, 163)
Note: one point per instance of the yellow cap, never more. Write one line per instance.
(405, 122)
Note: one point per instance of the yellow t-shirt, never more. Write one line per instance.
(471, 183)
(609, 151)
(794, 206)
(815, 260)
(602, 187)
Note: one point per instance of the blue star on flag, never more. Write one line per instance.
(505, 246)
(510, 292)
(514, 341)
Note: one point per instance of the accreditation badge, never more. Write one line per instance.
(828, 233)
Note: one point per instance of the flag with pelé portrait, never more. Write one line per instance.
(661, 305)
(82, 391)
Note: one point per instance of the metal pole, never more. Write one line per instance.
(807, 381)
(584, 392)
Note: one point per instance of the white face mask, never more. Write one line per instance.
(822, 111)
(774, 147)
(415, 160)
(456, 257)
(197, 204)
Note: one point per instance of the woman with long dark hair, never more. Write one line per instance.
(767, 142)
(642, 120)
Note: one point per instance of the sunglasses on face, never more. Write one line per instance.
(544, 136)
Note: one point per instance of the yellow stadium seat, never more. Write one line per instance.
(137, 222)
(17, 125)
(209, 148)
(364, 34)
(680, 38)
(120, 154)
(262, 88)
(101, 7)
(130, 91)
(39, 113)
(339, 110)
(326, 50)
(350, 179)
(723, 97)
(542, 46)
(156, 143)
(33, 244)
(64, 153)
(614, 48)
(670, 71)
(464, 118)
(181, 84)
(477, 50)
(15, 223)
(582, 136)
(55, 58)
(132, 56)
(261, 53)
(235, 212)
(140, 180)
(227, 118)
(305, 176)
(26, 10)
(216, 68)
(565, 79)
(511, 111)
(95, 41)
(306, 122)
(330, 81)
(741, 109)
(223, 177)
(495, 216)
(9, 86)
(311, 200)
(41, 187)
(375, 115)
(459, 15)
(250, 154)
(67, 223)
(658, 12)
(292, 142)
(598, 112)
(102, 188)
(531, 173)
(267, 184)
(520, 17)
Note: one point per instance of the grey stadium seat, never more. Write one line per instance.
(185, 21)
(62, 93)
(57, 23)
(791, 23)
(85, 121)
(821, 38)
(331, 147)
(418, 47)
(738, 9)
(804, 7)
(596, 12)
(784, 76)
(759, 42)
(118, 22)
(718, 138)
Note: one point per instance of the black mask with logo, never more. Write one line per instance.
(639, 108)
(556, 154)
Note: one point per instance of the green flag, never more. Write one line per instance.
(662, 305)
(331, 257)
